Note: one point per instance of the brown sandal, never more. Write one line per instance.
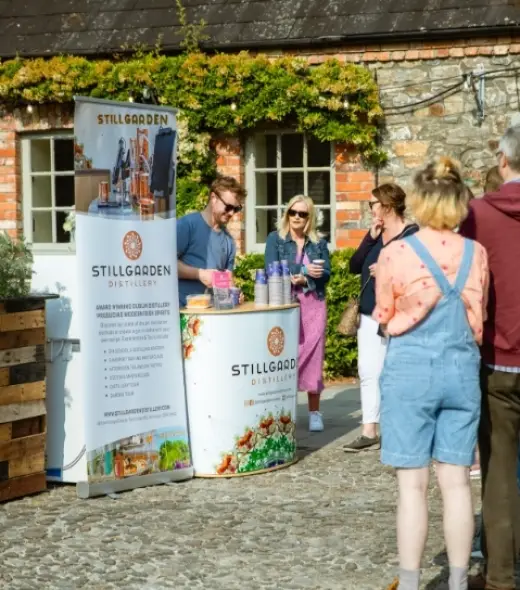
(394, 585)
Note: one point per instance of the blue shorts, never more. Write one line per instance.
(429, 412)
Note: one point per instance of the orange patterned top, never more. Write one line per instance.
(406, 291)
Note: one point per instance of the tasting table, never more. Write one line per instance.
(241, 373)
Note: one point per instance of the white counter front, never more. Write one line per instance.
(241, 370)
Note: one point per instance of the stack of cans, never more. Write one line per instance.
(274, 283)
(261, 292)
(286, 283)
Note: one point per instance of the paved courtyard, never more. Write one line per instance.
(326, 523)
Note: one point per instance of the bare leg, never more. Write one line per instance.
(313, 400)
(459, 523)
(412, 524)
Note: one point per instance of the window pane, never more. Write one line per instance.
(62, 237)
(319, 187)
(323, 223)
(318, 152)
(266, 188)
(41, 191)
(64, 191)
(42, 227)
(266, 220)
(292, 184)
(265, 151)
(292, 151)
(40, 155)
(63, 155)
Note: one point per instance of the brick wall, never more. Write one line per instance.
(407, 73)
(12, 126)
(231, 162)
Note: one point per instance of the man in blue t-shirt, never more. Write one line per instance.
(203, 243)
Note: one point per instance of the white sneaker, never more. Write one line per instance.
(315, 422)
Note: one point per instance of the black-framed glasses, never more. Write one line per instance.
(372, 203)
(300, 214)
(228, 207)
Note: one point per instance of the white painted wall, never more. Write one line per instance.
(66, 460)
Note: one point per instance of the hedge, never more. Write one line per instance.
(340, 352)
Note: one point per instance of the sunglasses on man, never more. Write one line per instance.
(300, 214)
(228, 208)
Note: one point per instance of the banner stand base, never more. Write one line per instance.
(85, 490)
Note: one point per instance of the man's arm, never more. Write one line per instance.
(187, 272)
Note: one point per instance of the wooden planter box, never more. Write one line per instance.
(22, 397)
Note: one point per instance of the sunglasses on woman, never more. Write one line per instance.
(227, 207)
(300, 214)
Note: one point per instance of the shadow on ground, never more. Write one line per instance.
(340, 407)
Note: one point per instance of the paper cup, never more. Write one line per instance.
(319, 262)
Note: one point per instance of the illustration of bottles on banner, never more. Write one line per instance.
(134, 397)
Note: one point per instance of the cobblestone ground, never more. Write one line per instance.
(326, 523)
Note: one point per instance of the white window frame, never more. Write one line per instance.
(27, 187)
(251, 207)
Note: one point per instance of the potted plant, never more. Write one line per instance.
(16, 261)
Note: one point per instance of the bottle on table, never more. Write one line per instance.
(286, 282)
(261, 290)
(274, 283)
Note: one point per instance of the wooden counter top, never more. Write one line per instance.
(244, 308)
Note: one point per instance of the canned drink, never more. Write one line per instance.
(277, 268)
(103, 191)
(284, 263)
(235, 296)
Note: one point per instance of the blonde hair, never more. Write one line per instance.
(310, 226)
(439, 198)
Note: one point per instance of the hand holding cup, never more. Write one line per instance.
(315, 269)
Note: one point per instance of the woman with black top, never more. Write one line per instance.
(388, 224)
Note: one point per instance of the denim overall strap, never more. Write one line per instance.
(465, 266)
(421, 251)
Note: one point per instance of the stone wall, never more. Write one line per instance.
(412, 72)
(451, 125)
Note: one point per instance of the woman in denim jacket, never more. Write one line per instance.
(297, 242)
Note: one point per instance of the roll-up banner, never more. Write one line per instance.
(136, 431)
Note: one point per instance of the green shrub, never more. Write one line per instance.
(244, 273)
(340, 352)
(16, 263)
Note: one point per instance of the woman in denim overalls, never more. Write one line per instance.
(431, 291)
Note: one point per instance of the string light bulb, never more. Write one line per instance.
(233, 106)
(30, 108)
(130, 98)
(346, 104)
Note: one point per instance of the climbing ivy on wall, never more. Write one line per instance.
(228, 94)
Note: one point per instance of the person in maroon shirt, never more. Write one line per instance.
(494, 221)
